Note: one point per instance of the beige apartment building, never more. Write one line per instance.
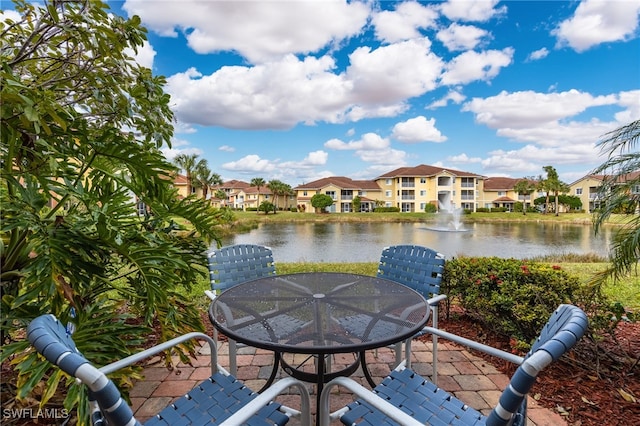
(412, 188)
(342, 190)
(587, 189)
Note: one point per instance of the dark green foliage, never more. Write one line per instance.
(386, 210)
(80, 139)
(515, 297)
(430, 208)
(321, 201)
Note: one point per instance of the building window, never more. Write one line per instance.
(331, 194)
(423, 180)
(502, 193)
(578, 191)
(387, 181)
(304, 193)
(387, 194)
(423, 193)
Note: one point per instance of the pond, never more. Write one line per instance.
(363, 242)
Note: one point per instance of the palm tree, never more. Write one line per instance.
(525, 187)
(620, 191)
(258, 183)
(189, 163)
(277, 188)
(206, 178)
(554, 185)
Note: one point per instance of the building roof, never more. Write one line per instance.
(504, 200)
(424, 170)
(341, 182)
(601, 178)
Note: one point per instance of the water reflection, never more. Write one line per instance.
(363, 242)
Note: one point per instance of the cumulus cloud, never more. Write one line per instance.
(227, 148)
(470, 66)
(476, 11)
(144, 56)
(369, 141)
(461, 37)
(464, 159)
(250, 164)
(393, 73)
(417, 129)
(452, 96)
(598, 21)
(256, 30)
(529, 109)
(404, 22)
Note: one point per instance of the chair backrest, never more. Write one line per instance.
(50, 338)
(239, 263)
(417, 267)
(566, 326)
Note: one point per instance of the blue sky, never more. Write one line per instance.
(299, 90)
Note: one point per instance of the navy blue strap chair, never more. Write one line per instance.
(235, 264)
(405, 398)
(219, 400)
(421, 269)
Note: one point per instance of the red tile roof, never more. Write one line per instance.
(425, 170)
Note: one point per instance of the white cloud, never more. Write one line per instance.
(471, 10)
(598, 21)
(454, 96)
(227, 148)
(174, 151)
(417, 129)
(470, 66)
(392, 73)
(464, 159)
(528, 109)
(369, 141)
(313, 159)
(404, 22)
(461, 37)
(538, 54)
(555, 127)
(250, 164)
(144, 56)
(256, 30)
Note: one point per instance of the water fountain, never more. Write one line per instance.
(450, 220)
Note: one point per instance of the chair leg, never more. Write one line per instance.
(434, 350)
(398, 350)
(233, 362)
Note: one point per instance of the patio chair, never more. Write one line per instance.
(421, 269)
(405, 398)
(232, 265)
(219, 400)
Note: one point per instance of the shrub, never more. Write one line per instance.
(430, 208)
(386, 210)
(515, 297)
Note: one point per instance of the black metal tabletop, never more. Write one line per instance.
(319, 313)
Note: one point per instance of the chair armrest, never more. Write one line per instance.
(241, 417)
(386, 408)
(210, 294)
(436, 299)
(475, 345)
(132, 359)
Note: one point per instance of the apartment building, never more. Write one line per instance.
(588, 190)
(342, 190)
(412, 188)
